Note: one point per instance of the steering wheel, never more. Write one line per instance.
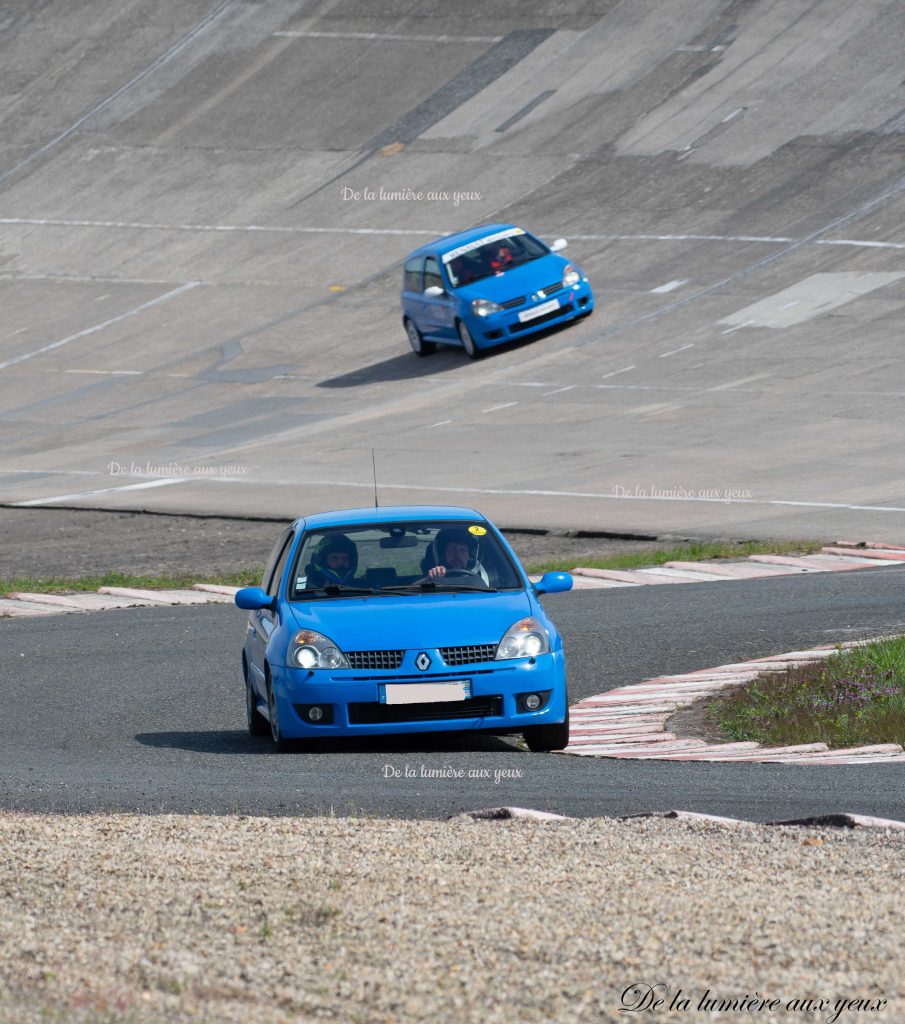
(466, 573)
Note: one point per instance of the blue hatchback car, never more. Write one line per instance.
(486, 286)
(400, 620)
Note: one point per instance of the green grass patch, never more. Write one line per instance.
(855, 697)
(684, 553)
(177, 581)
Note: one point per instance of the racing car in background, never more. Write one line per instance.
(486, 286)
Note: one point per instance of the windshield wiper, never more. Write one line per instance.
(397, 588)
(433, 586)
(336, 590)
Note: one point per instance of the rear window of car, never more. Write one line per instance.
(411, 276)
(389, 555)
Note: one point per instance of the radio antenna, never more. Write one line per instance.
(374, 468)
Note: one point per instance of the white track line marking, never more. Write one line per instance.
(442, 423)
(80, 279)
(738, 327)
(379, 37)
(105, 490)
(669, 287)
(557, 391)
(434, 233)
(863, 244)
(594, 495)
(673, 351)
(625, 369)
(494, 408)
(99, 327)
(110, 373)
(239, 228)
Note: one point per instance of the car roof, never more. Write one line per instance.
(448, 242)
(387, 514)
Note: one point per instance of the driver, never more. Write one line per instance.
(335, 560)
(501, 259)
(454, 550)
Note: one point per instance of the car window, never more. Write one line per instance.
(389, 557)
(272, 558)
(494, 255)
(273, 583)
(432, 274)
(411, 277)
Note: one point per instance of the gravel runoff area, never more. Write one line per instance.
(222, 919)
(72, 543)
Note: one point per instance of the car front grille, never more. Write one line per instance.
(468, 655)
(440, 711)
(512, 303)
(552, 315)
(375, 659)
(549, 289)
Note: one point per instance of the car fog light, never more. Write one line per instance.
(315, 713)
(533, 702)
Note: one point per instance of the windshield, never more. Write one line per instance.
(490, 256)
(420, 557)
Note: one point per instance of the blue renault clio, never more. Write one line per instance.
(486, 286)
(400, 620)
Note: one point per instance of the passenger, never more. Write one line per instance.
(335, 560)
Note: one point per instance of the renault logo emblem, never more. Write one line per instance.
(423, 661)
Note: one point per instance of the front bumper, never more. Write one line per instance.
(354, 707)
(498, 328)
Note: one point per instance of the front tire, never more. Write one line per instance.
(543, 738)
(257, 723)
(420, 347)
(468, 342)
(276, 735)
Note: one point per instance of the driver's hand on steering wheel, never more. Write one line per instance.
(438, 570)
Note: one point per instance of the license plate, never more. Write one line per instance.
(544, 307)
(424, 693)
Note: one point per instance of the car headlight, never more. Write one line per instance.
(523, 639)
(484, 307)
(570, 276)
(314, 650)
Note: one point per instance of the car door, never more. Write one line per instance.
(439, 311)
(262, 621)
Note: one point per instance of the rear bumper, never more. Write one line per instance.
(352, 699)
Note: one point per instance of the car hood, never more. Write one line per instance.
(519, 281)
(405, 622)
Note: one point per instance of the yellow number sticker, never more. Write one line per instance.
(477, 531)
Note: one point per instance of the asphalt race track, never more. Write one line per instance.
(204, 209)
(144, 710)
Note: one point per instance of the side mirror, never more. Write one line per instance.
(553, 583)
(254, 598)
(560, 243)
(434, 292)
